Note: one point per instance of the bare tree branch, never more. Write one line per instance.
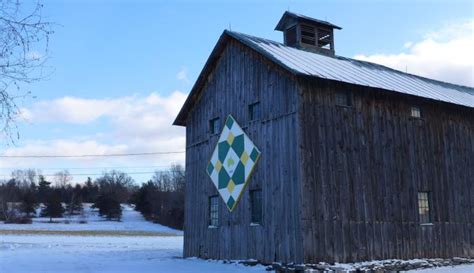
(24, 40)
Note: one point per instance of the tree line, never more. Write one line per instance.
(160, 199)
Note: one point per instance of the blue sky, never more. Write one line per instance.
(136, 61)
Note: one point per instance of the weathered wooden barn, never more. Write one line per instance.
(357, 161)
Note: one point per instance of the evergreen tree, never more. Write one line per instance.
(74, 206)
(43, 189)
(29, 201)
(53, 207)
(141, 200)
(89, 191)
(109, 206)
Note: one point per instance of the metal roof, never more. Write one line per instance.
(305, 63)
(353, 71)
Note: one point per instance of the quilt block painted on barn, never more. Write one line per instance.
(232, 162)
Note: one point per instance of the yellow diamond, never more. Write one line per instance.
(230, 138)
(244, 157)
(231, 186)
(218, 165)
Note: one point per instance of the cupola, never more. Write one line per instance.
(307, 33)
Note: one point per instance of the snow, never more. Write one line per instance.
(38, 253)
(131, 221)
(448, 269)
(80, 253)
(87, 254)
(380, 263)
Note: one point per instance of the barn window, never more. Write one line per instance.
(213, 211)
(256, 207)
(324, 38)
(343, 98)
(214, 126)
(254, 111)
(424, 207)
(415, 112)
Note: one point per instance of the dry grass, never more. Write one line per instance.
(85, 233)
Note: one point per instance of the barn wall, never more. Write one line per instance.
(242, 77)
(362, 167)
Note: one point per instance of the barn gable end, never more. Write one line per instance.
(241, 77)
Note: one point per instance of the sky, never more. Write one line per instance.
(119, 71)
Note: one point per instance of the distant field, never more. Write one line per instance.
(84, 232)
(132, 223)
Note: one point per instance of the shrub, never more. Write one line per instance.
(19, 220)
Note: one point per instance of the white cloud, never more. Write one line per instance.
(445, 54)
(182, 75)
(128, 125)
(63, 147)
(76, 110)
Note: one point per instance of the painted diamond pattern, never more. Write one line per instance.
(232, 162)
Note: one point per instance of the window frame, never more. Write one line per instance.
(416, 109)
(424, 207)
(348, 99)
(212, 126)
(253, 221)
(251, 107)
(320, 38)
(213, 211)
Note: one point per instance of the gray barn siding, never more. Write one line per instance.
(362, 167)
(239, 78)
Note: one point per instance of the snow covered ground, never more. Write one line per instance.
(121, 254)
(423, 265)
(448, 269)
(35, 252)
(39, 253)
(81, 254)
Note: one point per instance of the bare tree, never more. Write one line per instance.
(62, 179)
(116, 182)
(24, 38)
(178, 176)
(24, 178)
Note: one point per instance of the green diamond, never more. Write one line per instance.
(230, 203)
(223, 150)
(229, 122)
(238, 145)
(239, 174)
(224, 179)
(254, 155)
(210, 168)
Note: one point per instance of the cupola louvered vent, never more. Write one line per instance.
(308, 35)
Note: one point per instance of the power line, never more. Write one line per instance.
(91, 155)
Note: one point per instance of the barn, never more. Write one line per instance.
(295, 154)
